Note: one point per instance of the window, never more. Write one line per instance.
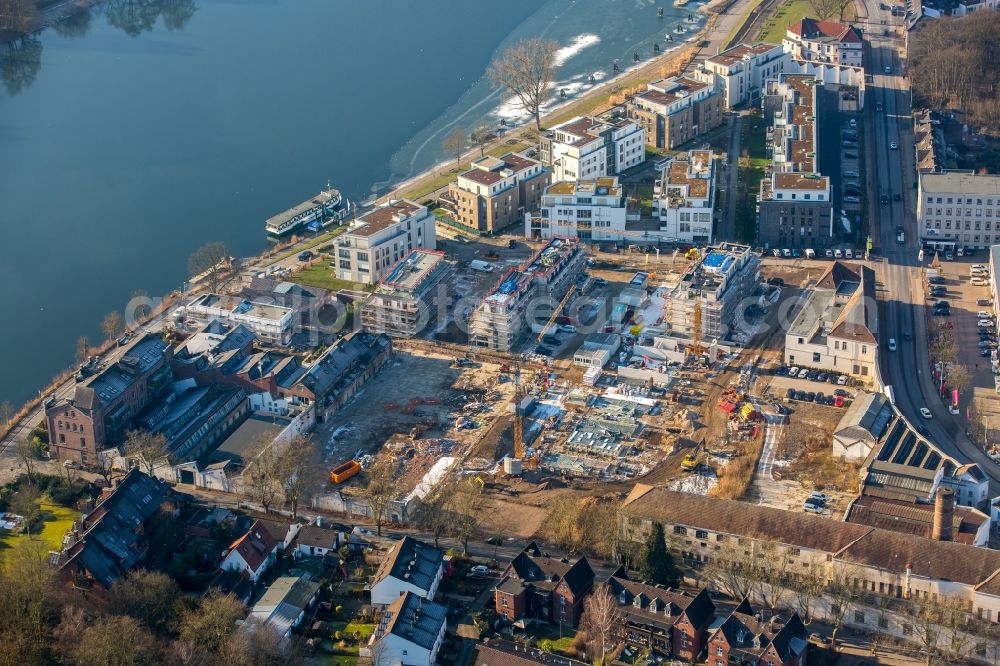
(816, 357)
(883, 622)
(680, 529)
(701, 534)
(83, 443)
(907, 629)
(718, 651)
(859, 617)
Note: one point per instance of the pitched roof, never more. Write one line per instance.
(322, 537)
(499, 652)
(412, 618)
(284, 601)
(745, 631)
(838, 273)
(810, 28)
(661, 604)
(533, 566)
(411, 560)
(255, 546)
(857, 319)
(912, 518)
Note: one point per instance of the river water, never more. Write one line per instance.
(133, 134)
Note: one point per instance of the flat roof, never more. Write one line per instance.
(786, 180)
(241, 306)
(383, 217)
(244, 438)
(604, 186)
(695, 170)
(741, 51)
(412, 269)
(551, 254)
(960, 182)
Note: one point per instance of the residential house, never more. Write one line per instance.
(535, 586)
(113, 538)
(676, 110)
(285, 604)
(272, 324)
(591, 147)
(684, 197)
(409, 566)
(494, 194)
(252, 554)
(586, 209)
(836, 329)
(745, 638)
(380, 238)
(741, 71)
(500, 652)
(824, 42)
(668, 623)
(409, 633)
(318, 541)
(105, 404)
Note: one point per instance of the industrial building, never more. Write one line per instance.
(712, 289)
(586, 209)
(526, 293)
(685, 197)
(402, 303)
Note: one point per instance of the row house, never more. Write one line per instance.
(747, 639)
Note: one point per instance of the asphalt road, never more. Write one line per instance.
(901, 303)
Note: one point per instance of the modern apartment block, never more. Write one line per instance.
(823, 42)
(741, 72)
(836, 329)
(402, 303)
(525, 294)
(380, 238)
(272, 324)
(495, 193)
(676, 110)
(716, 285)
(958, 209)
(589, 147)
(106, 404)
(794, 202)
(586, 209)
(685, 197)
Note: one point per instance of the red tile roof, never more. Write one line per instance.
(809, 27)
(255, 546)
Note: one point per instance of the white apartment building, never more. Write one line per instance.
(402, 304)
(824, 42)
(837, 327)
(958, 209)
(587, 209)
(587, 148)
(685, 197)
(380, 238)
(740, 72)
(271, 323)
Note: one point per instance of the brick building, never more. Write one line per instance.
(496, 192)
(544, 588)
(746, 638)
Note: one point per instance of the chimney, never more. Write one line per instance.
(906, 581)
(944, 512)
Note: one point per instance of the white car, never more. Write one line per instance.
(793, 371)
(810, 507)
(849, 253)
(979, 267)
(983, 314)
(978, 282)
(842, 380)
(822, 497)
(566, 328)
(838, 253)
(893, 145)
(892, 344)
(926, 413)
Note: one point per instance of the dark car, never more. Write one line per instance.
(305, 255)
(832, 378)
(821, 377)
(820, 398)
(884, 199)
(840, 392)
(942, 305)
(552, 340)
(907, 336)
(790, 394)
(922, 429)
(776, 281)
(543, 350)
(937, 279)
(879, 107)
(896, 197)
(850, 156)
(512, 243)
(800, 395)
(810, 396)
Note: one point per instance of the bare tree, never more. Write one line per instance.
(113, 324)
(842, 6)
(18, 16)
(6, 413)
(774, 572)
(807, 588)
(209, 260)
(525, 70)
(27, 594)
(147, 596)
(454, 144)
(82, 348)
(293, 472)
(433, 513)
(600, 612)
(842, 593)
(381, 487)
(260, 480)
(149, 449)
(27, 455)
(481, 137)
(104, 466)
(117, 640)
(466, 507)
(958, 377)
(824, 9)
(735, 569)
(208, 628)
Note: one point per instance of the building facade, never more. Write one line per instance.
(536, 586)
(958, 209)
(403, 303)
(676, 110)
(409, 632)
(410, 566)
(380, 238)
(526, 294)
(585, 209)
(588, 147)
(105, 405)
(741, 72)
(836, 328)
(273, 324)
(823, 41)
(794, 203)
(496, 192)
(684, 197)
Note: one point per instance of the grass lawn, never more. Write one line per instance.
(644, 195)
(441, 179)
(58, 521)
(556, 645)
(321, 275)
(789, 13)
(313, 242)
(365, 629)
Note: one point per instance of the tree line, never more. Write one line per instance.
(953, 65)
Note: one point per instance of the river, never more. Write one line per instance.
(135, 133)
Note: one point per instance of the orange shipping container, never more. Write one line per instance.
(343, 472)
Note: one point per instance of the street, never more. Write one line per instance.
(901, 303)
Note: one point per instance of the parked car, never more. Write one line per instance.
(893, 145)
(567, 328)
(803, 373)
(842, 380)
(543, 350)
(850, 156)
(829, 254)
(840, 392)
(907, 336)
(838, 253)
(896, 196)
(552, 340)
(793, 371)
(892, 344)
(785, 252)
(812, 507)
(790, 393)
(851, 199)
(776, 281)
(305, 255)
(979, 282)
(926, 413)
(822, 497)
(820, 398)
(600, 282)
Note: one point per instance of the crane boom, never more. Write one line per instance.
(555, 313)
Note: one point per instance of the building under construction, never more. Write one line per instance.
(712, 289)
(401, 305)
(526, 294)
